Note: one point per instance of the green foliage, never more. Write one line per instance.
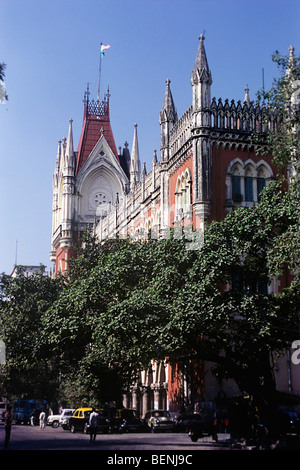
(119, 306)
(23, 299)
(280, 99)
(89, 383)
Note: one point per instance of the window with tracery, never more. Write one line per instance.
(99, 199)
(245, 181)
(183, 194)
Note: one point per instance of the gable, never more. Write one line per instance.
(102, 159)
(92, 129)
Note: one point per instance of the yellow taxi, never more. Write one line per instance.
(80, 420)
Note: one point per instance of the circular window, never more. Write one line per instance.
(99, 199)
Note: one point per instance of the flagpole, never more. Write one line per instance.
(98, 97)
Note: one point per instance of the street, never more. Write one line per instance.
(25, 437)
(136, 450)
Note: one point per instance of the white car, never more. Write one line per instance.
(57, 420)
(159, 420)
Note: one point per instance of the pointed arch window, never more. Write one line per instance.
(183, 194)
(236, 188)
(261, 183)
(249, 189)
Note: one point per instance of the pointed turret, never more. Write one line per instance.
(167, 119)
(201, 81)
(154, 161)
(58, 159)
(144, 172)
(135, 164)
(58, 155)
(57, 166)
(124, 158)
(154, 164)
(201, 70)
(168, 111)
(69, 155)
(63, 150)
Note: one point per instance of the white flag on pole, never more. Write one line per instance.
(104, 48)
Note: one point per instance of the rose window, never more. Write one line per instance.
(100, 199)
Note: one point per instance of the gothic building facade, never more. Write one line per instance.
(208, 164)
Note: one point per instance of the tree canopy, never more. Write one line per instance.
(23, 299)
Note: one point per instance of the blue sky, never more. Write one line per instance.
(51, 48)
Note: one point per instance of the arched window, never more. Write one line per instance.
(158, 223)
(183, 194)
(249, 188)
(245, 181)
(249, 181)
(237, 171)
(261, 180)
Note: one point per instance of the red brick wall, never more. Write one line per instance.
(61, 257)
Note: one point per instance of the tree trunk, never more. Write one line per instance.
(258, 381)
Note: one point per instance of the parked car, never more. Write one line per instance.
(159, 420)
(80, 420)
(126, 420)
(56, 420)
(65, 418)
(184, 421)
(65, 422)
(203, 424)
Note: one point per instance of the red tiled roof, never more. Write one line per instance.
(91, 133)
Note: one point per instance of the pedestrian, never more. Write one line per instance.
(42, 419)
(93, 423)
(33, 417)
(7, 421)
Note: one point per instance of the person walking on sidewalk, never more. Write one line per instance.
(42, 419)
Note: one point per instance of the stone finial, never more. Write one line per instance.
(247, 99)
